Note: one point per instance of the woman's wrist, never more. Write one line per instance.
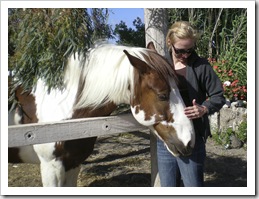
(205, 110)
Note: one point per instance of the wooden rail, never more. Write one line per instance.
(38, 133)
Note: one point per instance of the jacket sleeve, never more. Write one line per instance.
(213, 88)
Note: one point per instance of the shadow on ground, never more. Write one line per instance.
(220, 171)
(225, 172)
(124, 180)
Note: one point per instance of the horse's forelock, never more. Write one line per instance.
(159, 64)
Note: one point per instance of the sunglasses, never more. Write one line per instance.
(183, 51)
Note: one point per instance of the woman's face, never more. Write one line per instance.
(182, 49)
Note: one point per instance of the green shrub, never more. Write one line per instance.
(224, 138)
(241, 133)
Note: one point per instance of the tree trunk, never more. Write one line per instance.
(156, 21)
(213, 32)
(156, 28)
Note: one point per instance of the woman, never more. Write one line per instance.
(202, 93)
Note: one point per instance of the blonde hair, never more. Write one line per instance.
(181, 30)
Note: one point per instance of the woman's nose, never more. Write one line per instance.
(185, 55)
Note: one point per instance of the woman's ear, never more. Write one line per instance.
(169, 42)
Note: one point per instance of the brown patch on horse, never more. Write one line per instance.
(137, 109)
(13, 155)
(151, 86)
(151, 80)
(159, 64)
(72, 153)
(27, 106)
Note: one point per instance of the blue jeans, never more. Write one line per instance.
(189, 169)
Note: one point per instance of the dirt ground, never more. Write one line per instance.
(123, 160)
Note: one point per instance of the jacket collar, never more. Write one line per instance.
(193, 57)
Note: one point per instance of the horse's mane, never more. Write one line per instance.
(159, 64)
(109, 64)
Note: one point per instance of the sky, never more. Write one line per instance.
(128, 15)
(125, 14)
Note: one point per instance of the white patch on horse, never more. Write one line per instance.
(52, 170)
(45, 151)
(11, 118)
(14, 117)
(53, 173)
(17, 118)
(58, 104)
(140, 116)
(182, 124)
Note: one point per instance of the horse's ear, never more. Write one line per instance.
(140, 65)
(151, 46)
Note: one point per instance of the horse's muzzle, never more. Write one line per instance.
(172, 142)
(179, 149)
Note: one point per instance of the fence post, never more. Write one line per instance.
(156, 20)
(155, 181)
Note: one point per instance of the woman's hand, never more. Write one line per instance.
(195, 111)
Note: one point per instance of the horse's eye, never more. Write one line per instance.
(163, 97)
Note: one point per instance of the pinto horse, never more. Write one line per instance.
(95, 83)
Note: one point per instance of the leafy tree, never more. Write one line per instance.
(129, 36)
(40, 41)
(101, 28)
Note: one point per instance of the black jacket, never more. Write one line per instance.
(204, 86)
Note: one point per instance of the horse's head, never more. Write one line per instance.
(156, 102)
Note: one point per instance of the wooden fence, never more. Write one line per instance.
(38, 133)
(27, 134)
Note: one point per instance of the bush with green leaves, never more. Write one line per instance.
(241, 133)
(41, 39)
(224, 137)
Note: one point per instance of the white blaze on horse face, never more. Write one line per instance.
(140, 116)
(182, 124)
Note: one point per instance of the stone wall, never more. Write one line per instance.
(230, 116)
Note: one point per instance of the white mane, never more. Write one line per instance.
(106, 75)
